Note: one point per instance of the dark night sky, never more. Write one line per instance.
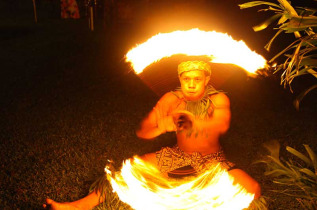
(163, 16)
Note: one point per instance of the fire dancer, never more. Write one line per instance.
(199, 115)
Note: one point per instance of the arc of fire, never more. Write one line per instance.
(219, 47)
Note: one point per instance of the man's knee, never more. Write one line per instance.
(256, 190)
(149, 158)
(246, 181)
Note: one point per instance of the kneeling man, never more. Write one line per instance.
(198, 114)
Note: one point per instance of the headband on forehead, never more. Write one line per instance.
(193, 65)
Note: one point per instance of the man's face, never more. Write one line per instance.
(193, 84)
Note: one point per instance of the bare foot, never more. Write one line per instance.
(59, 206)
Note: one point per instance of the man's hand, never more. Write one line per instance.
(184, 120)
(164, 123)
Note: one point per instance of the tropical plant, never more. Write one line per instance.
(259, 204)
(301, 56)
(298, 176)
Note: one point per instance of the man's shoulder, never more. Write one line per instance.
(219, 95)
(168, 101)
(171, 96)
(220, 99)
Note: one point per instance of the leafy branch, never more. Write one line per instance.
(300, 56)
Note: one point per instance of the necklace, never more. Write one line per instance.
(200, 107)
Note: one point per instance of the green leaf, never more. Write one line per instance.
(266, 23)
(273, 9)
(299, 155)
(284, 50)
(282, 19)
(269, 44)
(300, 97)
(294, 170)
(278, 163)
(288, 7)
(310, 41)
(312, 155)
(301, 72)
(276, 172)
(294, 57)
(312, 72)
(257, 3)
(305, 11)
(307, 61)
(309, 173)
(291, 27)
(305, 20)
(284, 181)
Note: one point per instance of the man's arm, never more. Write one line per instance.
(158, 121)
(219, 121)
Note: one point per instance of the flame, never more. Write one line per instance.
(219, 47)
(142, 186)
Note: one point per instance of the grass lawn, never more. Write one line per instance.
(68, 104)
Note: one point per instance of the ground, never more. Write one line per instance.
(68, 104)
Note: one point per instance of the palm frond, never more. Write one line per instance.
(300, 55)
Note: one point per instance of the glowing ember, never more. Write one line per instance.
(142, 186)
(220, 47)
